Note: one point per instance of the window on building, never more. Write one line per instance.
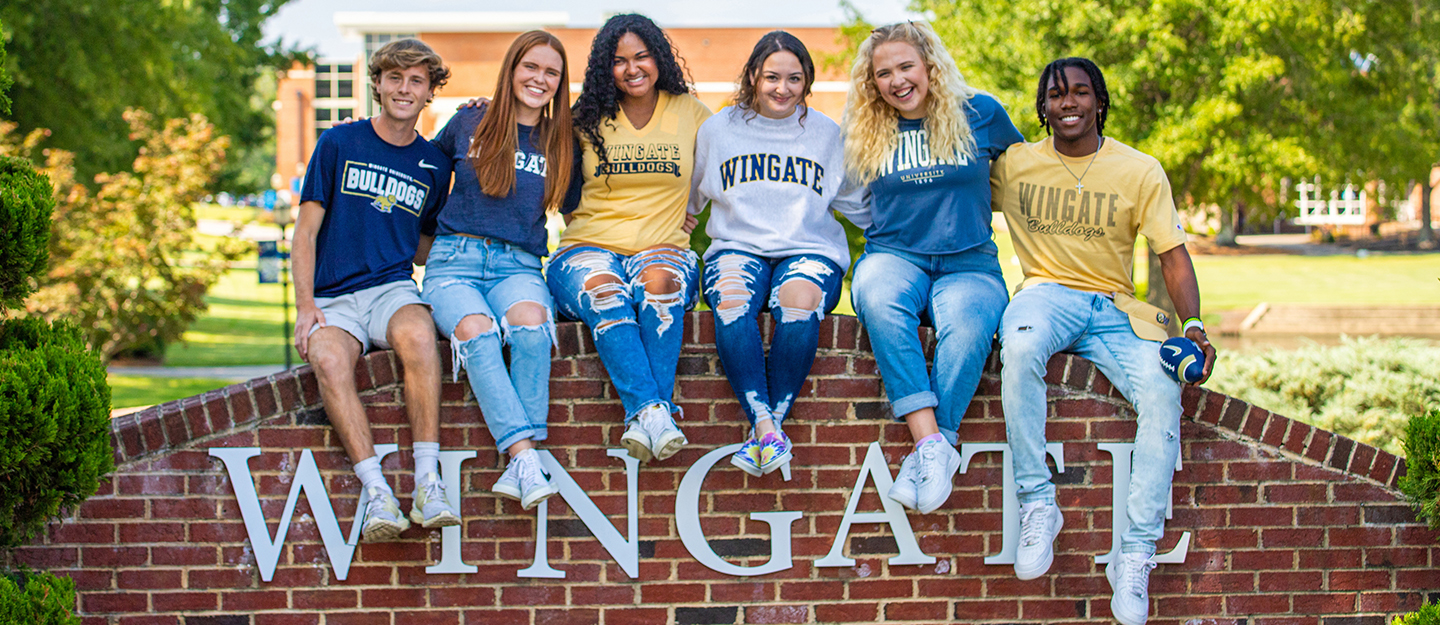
(322, 88)
(345, 89)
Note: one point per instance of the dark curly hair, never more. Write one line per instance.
(747, 96)
(1056, 71)
(599, 100)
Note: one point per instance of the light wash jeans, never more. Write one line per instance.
(963, 296)
(468, 276)
(1049, 318)
(767, 386)
(637, 333)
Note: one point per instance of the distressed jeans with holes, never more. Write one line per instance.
(637, 333)
(767, 387)
(1048, 318)
(963, 294)
(466, 276)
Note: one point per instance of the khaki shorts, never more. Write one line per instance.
(366, 313)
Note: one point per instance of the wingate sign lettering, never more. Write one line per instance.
(624, 545)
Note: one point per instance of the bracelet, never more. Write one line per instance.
(1193, 322)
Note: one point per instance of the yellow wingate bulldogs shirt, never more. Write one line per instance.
(641, 202)
(1083, 238)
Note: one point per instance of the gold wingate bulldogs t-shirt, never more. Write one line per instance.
(638, 199)
(1084, 238)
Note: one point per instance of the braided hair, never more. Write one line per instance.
(1056, 71)
(599, 100)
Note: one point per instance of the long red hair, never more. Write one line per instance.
(492, 149)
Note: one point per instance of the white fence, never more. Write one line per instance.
(1346, 206)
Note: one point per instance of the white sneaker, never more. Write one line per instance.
(1040, 523)
(636, 440)
(525, 481)
(935, 475)
(1129, 577)
(903, 491)
(666, 439)
(430, 507)
(383, 520)
(534, 483)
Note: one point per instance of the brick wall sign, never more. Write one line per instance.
(235, 508)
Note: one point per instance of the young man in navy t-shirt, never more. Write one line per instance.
(371, 189)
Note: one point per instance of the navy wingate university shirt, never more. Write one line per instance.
(378, 199)
(925, 204)
(518, 218)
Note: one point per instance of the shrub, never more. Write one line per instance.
(26, 200)
(38, 599)
(1421, 482)
(1364, 388)
(54, 425)
(1429, 614)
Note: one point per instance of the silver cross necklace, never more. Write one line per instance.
(1079, 180)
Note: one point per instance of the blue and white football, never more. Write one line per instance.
(1182, 359)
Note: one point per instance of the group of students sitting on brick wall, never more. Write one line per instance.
(920, 161)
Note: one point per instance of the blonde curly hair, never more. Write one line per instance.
(871, 125)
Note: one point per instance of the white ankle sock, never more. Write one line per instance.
(427, 459)
(368, 470)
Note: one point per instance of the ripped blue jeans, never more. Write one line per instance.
(637, 332)
(1048, 318)
(738, 285)
(468, 276)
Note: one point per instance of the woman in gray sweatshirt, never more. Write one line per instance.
(772, 171)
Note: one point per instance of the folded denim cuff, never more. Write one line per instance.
(1145, 548)
(910, 403)
(514, 436)
(951, 436)
(1034, 497)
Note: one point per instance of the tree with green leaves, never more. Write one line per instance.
(78, 65)
(124, 260)
(1231, 96)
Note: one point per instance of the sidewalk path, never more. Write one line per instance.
(234, 374)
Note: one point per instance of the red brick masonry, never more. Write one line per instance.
(1290, 524)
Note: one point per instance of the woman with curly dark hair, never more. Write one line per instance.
(623, 266)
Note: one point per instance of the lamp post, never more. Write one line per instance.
(282, 219)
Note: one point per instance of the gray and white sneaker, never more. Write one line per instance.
(935, 475)
(534, 485)
(903, 491)
(1040, 523)
(430, 507)
(383, 520)
(1129, 577)
(666, 439)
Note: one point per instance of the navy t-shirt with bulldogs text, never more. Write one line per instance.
(378, 199)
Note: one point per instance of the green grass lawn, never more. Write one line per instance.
(130, 391)
(244, 326)
(1238, 282)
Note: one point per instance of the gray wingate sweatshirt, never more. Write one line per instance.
(773, 184)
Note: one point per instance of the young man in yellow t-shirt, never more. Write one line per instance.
(1074, 204)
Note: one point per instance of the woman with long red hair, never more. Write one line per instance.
(512, 160)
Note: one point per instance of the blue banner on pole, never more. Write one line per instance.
(270, 262)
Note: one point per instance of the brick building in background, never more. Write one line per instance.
(310, 99)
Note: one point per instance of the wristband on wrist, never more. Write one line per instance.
(1192, 322)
